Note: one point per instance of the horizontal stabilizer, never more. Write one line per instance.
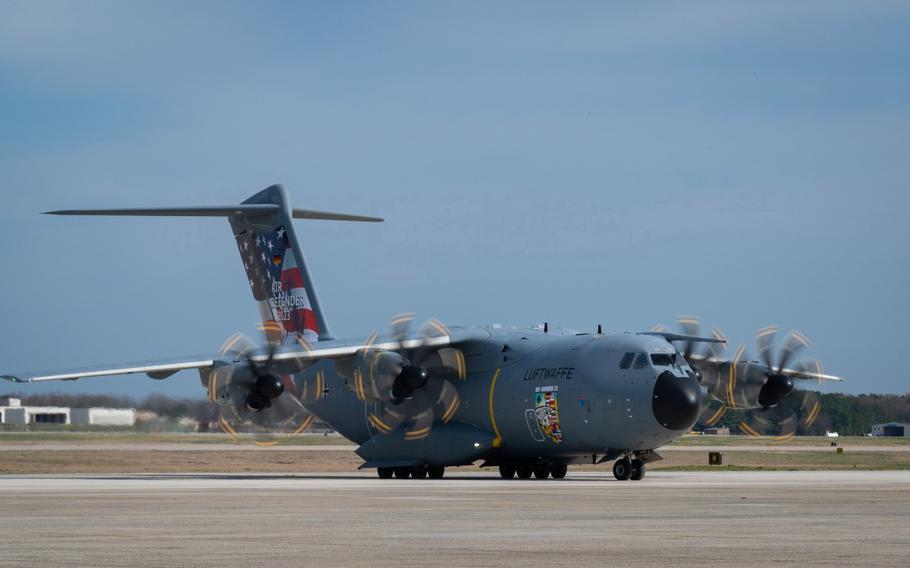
(242, 210)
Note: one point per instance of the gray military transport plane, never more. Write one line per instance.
(529, 401)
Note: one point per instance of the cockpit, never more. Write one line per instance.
(644, 360)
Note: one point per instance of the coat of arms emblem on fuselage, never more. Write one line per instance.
(547, 409)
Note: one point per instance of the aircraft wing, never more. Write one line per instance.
(158, 369)
(286, 359)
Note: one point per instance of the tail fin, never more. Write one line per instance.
(277, 271)
(272, 258)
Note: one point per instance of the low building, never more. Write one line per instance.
(891, 429)
(12, 412)
(103, 416)
(717, 431)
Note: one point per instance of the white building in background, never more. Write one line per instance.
(103, 416)
(12, 412)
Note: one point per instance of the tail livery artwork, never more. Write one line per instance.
(530, 401)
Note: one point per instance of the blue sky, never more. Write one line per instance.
(577, 163)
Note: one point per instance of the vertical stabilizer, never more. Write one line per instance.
(277, 272)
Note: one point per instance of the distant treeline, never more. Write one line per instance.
(846, 414)
(849, 415)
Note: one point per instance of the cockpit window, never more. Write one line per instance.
(641, 361)
(662, 359)
(626, 360)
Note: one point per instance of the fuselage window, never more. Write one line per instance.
(641, 361)
(626, 360)
(662, 359)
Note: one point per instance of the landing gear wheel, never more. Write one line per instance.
(638, 470)
(542, 470)
(507, 471)
(402, 472)
(524, 471)
(385, 472)
(436, 471)
(622, 469)
(419, 472)
(558, 470)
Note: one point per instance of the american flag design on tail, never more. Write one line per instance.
(275, 277)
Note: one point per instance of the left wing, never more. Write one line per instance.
(285, 359)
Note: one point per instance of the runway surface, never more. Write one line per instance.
(467, 519)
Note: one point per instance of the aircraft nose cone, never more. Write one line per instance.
(677, 401)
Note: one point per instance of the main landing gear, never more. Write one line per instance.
(540, 470)
(416, 472)
(626, 468)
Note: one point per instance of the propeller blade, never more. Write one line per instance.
(423, 423)
(780, 422)
(717, 350)
(765, 341)
(689, 325)
(388, 421)
(448, 400)
(401, 327)
(794, 343)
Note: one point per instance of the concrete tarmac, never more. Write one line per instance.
(812, 518)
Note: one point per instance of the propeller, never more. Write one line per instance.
(410, 383)
(767, 384)
(255, 398)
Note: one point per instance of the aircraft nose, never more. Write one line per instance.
(677, 401)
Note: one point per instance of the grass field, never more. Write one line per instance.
(22, 453)
(9, 438)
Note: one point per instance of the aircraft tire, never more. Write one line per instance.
(419, 472)
(558, 470)
(542, 470)
(524, 471)
(436, 471)
(385, 472)
(622, 469)
(638, 470)
(507, 471)
(402, 472)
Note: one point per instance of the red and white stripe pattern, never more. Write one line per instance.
(277, 284)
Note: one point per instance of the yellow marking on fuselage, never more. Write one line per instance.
(497, 441)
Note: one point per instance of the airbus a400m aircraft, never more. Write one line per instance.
(529, 401)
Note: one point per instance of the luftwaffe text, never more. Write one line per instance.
(542, 373)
